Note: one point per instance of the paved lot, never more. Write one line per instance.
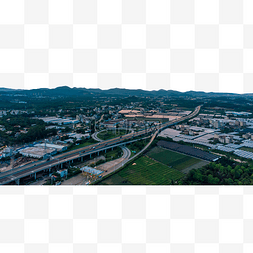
(115, 164)
(108, 167)
(80, 179)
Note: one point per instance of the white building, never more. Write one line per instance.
(59, 121)
(37, 152)
(79, 136)
(59, 148)
(6, 152)
(63, 173)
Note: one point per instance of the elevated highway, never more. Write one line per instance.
(79, 154)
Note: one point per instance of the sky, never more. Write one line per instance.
(183, 45)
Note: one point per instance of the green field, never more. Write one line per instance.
(113, 154)
(175, 160)
(144, 171)
(109, 134)
(247, 149)
(86, 143)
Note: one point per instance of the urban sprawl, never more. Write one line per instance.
(115, 139)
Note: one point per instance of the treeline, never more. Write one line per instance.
(11, 122)
(42, 105)
(36, 133)
(223, 173)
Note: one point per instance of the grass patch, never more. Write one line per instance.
(113, 154)
(176, 160)
(136, 147)
(86, 143)
(109, 134)
(145, 172)
(247, 149)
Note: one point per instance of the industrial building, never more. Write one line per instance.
(59, 121)
(59, 148)
(78, 136)
(111, 124)
(37, 152)
(91, 170)
(238, 113)
(6, 152)
(63, 173)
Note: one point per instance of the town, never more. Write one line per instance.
(114, 136)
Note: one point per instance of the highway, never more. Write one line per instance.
(59, 160)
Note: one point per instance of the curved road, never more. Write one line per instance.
(95, 135)
(126, 151)
(111, 166)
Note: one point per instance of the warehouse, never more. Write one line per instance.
(59, 121)
(59, 148)
(37, 152)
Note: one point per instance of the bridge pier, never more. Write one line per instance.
(34, 175)
(61, 165)
(17, 181)
(90, 155)
(98, 153)
(82, 158)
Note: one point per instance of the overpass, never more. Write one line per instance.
(68, 157)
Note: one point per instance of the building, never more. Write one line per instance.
(78, 136)
(37, 152)
(6, 152)
(129, 111)
(242, 123)
(216, 124)
(111, 124)
(59, 148)
(54, 127)
(224, 138)
(68, 141)
(63, 173)
(59, 121)
(238, 113)
(246, 136)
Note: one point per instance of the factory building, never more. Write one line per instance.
(37, 152)
(59, 148)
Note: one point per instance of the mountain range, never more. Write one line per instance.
(66, 91)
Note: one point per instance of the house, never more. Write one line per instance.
(63, 173)
(111, 124)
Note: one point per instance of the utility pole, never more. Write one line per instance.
(12, 159)
(45, 147)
